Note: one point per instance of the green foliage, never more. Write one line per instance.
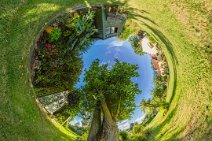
(128, 30)
(138, 137)
(60, 61)
(74, 98)
(55, 35)
(66, 113)
(76, 129)
(149, 106)
(124, 135)
(158, 101)
(160, 87)
(60, 74)
(137, 128)
(80, 31)
(70, 110)
(84, 23)
(114, 86)
(137, 133)
(151, 38)
(134, 40)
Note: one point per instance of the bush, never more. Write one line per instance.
(137, 128)
(55, 35)
(134, 42)
(123, 135)
(137, 137)
(128, 30)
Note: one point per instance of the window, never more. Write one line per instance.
(108, 30)
(111, 30)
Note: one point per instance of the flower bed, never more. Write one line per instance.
(57, 63)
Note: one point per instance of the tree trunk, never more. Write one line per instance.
(95, 124)
(109, 129)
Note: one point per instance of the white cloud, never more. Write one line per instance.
(139, 120)
(76, 122)
(124, 125)
(117, 43)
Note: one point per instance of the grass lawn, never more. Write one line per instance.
(183, 30)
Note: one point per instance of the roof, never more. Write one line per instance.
(156, 66)
(146, 47)
(54, 102)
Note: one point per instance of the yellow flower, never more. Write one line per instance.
(49, 29)
(76, 15)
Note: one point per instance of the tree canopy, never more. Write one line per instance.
(114, 86)
(110, 92)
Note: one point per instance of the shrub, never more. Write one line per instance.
(123, 135)
(135, 44)
(55, 35)
(137, 128)
(139, 137)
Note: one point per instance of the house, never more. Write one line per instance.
(141, 34)
(108, 21)
(158, 64)
(146, 46)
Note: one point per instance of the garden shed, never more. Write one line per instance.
(54, 102)
(109, 21)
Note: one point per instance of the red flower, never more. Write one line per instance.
(48, 46)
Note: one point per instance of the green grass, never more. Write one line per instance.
(68, 132)
(182, 28)
(20, 23)
(188, 93)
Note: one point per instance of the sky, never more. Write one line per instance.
(110, 49)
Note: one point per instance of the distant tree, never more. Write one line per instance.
(131, 125)
(159, 87)
(137, 128)
(123, 135)
(153, 104)
(134, 40)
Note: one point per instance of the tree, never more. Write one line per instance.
(134, 40)
(123, 135)
(151, 105)
(110, 93)
(160, 87)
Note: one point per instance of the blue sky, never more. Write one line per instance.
(110, 49)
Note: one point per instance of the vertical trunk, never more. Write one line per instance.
(110, 129)
(95, 124)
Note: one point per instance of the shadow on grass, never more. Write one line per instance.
(160, 126)
(175, 135)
